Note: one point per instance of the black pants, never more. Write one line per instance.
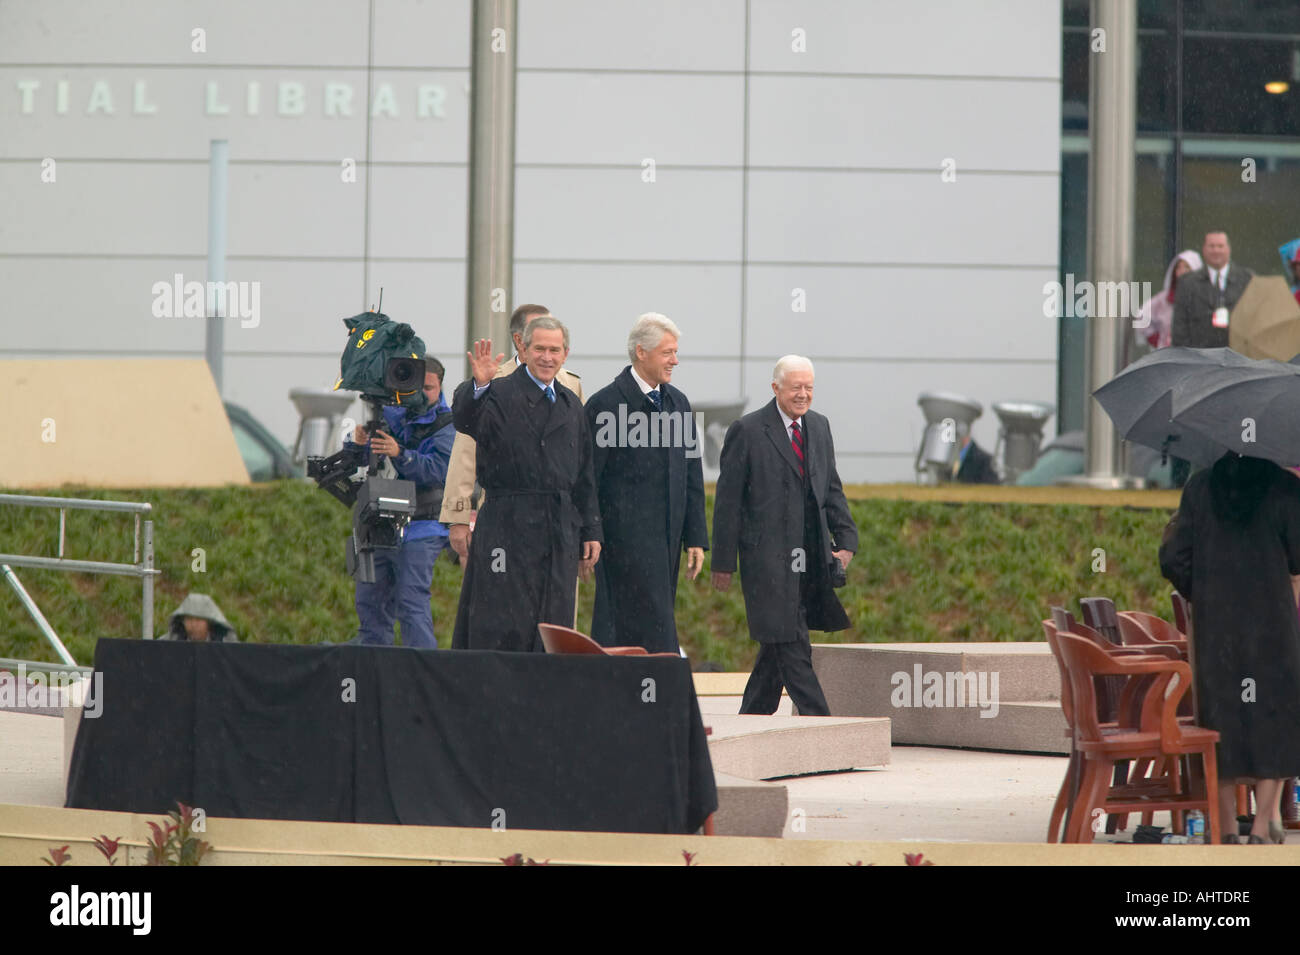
(788, 665)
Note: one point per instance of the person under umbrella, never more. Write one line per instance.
(1234, 548)
(1235, 553)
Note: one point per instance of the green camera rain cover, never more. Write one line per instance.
(374, 338)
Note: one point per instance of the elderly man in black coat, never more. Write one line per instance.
(538, 525)
(780, 505)
(651, 489)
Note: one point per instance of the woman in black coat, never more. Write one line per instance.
(1233, 552)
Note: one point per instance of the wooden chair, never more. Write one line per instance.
(558, 639)
(1153, 629)
(1158, 735)
(1099, 614)
(1065, 799)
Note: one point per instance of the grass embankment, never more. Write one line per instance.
(927, 570)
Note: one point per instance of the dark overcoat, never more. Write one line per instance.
(758, 515)
(1246, 638)
(534, 461)
(1196, 298)
(651, 508)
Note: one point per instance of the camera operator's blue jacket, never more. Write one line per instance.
(425, 465)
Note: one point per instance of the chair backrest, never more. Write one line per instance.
(1108, 688)
(1067, 694)
(1182, 612)
(1157, 628)
(1080, 657)
(1099, 613)
(558, 639)
(1133, 633)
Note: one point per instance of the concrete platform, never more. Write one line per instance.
(36, 751)
(27, 833)
(998, 696)
(31, 759)
(770, 747)
(749, 807)
(966, 799)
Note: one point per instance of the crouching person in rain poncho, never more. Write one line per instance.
(199, 618)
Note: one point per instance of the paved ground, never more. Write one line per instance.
(931, 795)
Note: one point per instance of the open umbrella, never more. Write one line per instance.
(1266, 320)
(1253, 410)
(1198, 403)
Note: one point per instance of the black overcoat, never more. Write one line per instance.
(1195, 300)
(758, 515)
(651, 508)
(534, 461)
(1246, 638)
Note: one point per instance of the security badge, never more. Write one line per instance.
(1220, 319)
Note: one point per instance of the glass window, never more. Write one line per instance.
(1156, 93)
(258, 460)
(1258, 216)
(1224, 87)
(1242, 16)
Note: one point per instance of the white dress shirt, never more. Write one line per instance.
(641, 382)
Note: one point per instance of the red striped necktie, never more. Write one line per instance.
(796, 442)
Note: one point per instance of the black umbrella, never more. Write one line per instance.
(1140, 400)
(1254, 411)
(1198, 403)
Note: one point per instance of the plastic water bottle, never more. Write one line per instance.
(1196, 826)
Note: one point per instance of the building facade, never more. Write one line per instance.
(877, 185)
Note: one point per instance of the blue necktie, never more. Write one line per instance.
(550, 393)
(653, 395)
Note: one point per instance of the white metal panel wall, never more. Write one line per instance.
(774, 170)
(817, 171)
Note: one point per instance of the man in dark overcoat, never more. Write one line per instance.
(539, 524)
(1204, 299)
(780, 507)
(650, 484)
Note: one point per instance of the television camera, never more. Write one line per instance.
(383, 360)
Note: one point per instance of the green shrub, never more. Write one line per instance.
(926, 571)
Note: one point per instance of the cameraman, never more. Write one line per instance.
(419, 447)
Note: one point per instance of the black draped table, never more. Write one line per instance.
(396, 735)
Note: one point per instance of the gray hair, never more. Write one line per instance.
(790, 363)
(648, 331)
(549, 323)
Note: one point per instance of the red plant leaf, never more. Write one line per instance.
(915, 858)
(107, 847)
(689, 857)
(60, 855)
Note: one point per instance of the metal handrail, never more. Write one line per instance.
(141, 566)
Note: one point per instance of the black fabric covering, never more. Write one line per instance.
(528, 740)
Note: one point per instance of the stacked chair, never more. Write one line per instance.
(1123, 683)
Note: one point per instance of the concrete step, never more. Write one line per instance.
(1003, 696)
(749, 807)
(769, 747)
